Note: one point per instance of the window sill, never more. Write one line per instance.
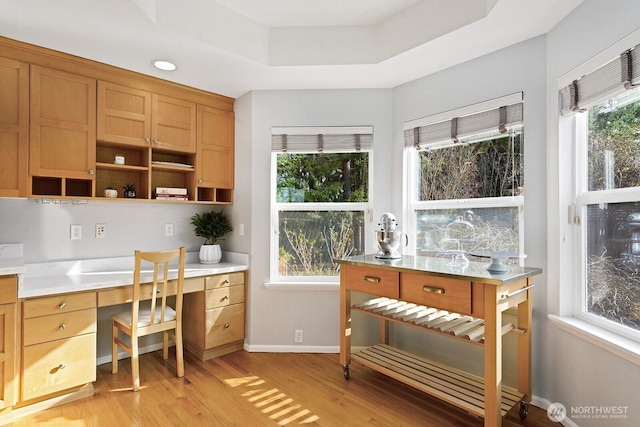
(607, 340)
(302, 286)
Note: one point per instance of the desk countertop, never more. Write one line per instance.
(474, 271)
(58, 277)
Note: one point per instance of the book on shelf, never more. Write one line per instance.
(179, 191)
(171, 197)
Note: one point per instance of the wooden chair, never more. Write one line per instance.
(159, 317)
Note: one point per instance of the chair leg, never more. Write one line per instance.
(114, 349)
(135, 365)
(179, 352)
(165, 345)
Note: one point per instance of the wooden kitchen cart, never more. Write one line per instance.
(461, 303)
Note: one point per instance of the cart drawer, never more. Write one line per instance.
(375, 281)
(438, 292)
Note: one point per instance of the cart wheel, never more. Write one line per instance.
(345, 371)
(524, 410)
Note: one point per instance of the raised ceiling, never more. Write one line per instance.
(235, 46)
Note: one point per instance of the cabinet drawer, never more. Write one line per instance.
(57, 326)
(58, 304)
(439, 292)
(124, 294)
(384, 283)
(224, 325)
(223, 280)
(58, 365)
(223, 297)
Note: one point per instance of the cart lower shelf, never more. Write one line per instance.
(456, 387)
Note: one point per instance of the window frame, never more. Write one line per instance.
(276, 207)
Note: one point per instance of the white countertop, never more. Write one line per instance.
(50, 278)
(11, 259)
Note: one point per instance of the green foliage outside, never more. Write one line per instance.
(310, 240)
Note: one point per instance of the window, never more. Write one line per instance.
(466, 179)
(602, 113)
(321, 200)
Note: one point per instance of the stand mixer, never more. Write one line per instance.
(389, 238)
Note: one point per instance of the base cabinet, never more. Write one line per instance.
(214, 320)
(59, 344)
(8, 299)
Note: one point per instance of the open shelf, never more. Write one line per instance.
(456, 387)
(61, 187)
(453, 325)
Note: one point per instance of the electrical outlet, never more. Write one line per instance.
(298, 335)
(76, 232)
(101, 231)
(241, 229)
(168, 229)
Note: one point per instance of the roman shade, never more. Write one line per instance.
(465, 124)
(616, 76)
(321, 139)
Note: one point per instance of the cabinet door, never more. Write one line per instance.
(63, 124)
(124, 115)
(7, 354)
(14, 128)
(173, 124)
(215, 159)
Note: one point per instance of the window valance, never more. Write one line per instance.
(445, 129)
(321, 139)
(616, 76)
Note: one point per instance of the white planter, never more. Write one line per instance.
(210, 254)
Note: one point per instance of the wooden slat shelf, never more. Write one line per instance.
(453, 325)
(456, 387)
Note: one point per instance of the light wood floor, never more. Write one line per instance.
(258, 389)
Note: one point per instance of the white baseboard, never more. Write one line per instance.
(291, 348)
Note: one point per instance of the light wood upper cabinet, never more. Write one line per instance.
(173, 124)
(124, 115)
(14, 128)
(215, 157)
(63, 124)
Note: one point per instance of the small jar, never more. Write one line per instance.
(111, 193)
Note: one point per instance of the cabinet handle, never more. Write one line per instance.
(226, 297)
(226, 325)
(155, 140)
(200, 181)
(62, 366)
(91, 171)
(433, 289)
(62, 304)
(147, 140)
(226, 281)
(372, 279)
(62, 327)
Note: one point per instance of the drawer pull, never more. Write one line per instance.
(62, 327)
(62, 304)
(226, 281)
(226, 325)
(433, 289)
(372, 279)
(226, 297)
(62, 366)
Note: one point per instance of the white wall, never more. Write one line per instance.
(276, 313)
(579, 373)
(519, 68)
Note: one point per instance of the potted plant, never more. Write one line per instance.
(129, 191)
(213, 226)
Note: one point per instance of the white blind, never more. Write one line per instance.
(623, 72)
(322, 139)
(436, 133)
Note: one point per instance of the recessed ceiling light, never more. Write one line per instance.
(163, 65)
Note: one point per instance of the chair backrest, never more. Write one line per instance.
(160, 286)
